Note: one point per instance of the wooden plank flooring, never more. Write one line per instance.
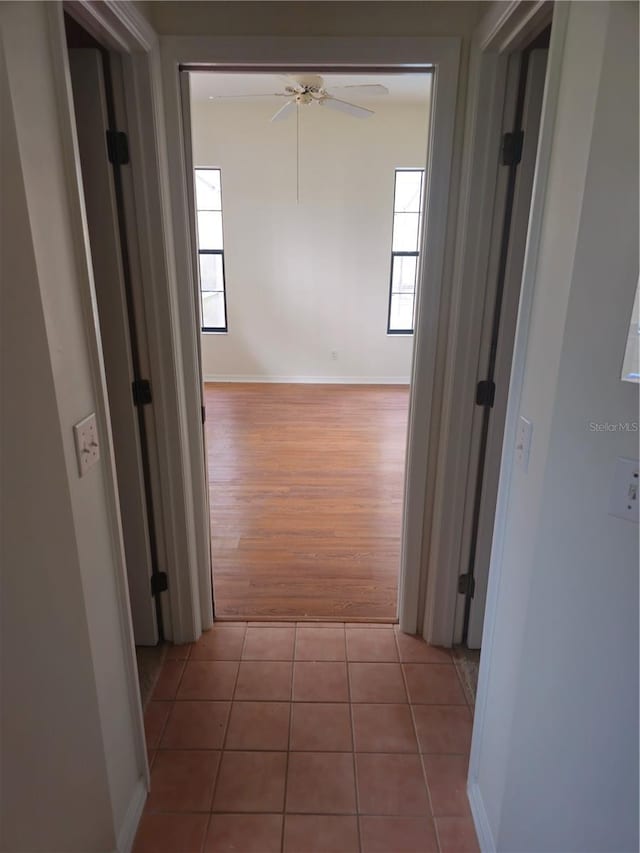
(306, 486)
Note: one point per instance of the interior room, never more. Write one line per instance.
(308, 199)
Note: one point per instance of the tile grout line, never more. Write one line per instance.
(224, 739)
(420, 755)
(464, 689)
(353, 743)
(337, 751)
(173, 701)
(215, 780)
(286, 764)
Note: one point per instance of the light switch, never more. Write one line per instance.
(85, 433)
(623, 502)
(523, 442)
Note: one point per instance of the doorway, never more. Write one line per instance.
(519, 154)
(526, 76)
(96, 78)
(307, 199)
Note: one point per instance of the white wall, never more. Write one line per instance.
(308, 279)
(555, 753)
(72, 766)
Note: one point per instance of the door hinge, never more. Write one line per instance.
(117, 147)
(141, 389)
(204, 414)
(485, 393)
(512, 148)
(159, 583)
(466, 585)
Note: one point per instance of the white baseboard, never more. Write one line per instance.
(480, 819)
(129, 827)
(314, 380)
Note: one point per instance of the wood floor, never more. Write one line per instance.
(306, 487)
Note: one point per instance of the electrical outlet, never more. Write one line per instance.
(85, 433)
(523, 442)
(623, 502)
(334, 355)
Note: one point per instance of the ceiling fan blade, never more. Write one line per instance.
(248, 95)
(346, 107)
(363, 89)
(284, 111)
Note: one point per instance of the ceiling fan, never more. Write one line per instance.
(306, 90)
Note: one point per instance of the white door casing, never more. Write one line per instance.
(205, 580)
(505, 29)
(120, 28)
(443, 56)
(102, 217)
(532, 111)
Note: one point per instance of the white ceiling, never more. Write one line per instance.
(403, 88)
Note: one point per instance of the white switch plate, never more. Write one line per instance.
(623, 502)
(85, 433)
(523, 442)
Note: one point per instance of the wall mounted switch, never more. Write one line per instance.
(523, 442)
(623, 502)
(85, 433)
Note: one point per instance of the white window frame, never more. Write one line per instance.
(405, 254)
(225, 327)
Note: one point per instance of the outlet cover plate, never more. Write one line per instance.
(85, 434)
(523, 442)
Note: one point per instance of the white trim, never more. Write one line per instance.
(443, 54)
(115, 24)
(480, 333)
(120, 25)
(129, 827)
(503, 28)
(200, 464)
(313, 380)
(486, 840)
(195, 609)
(508, 26)
(521, 205)
(480, 175)
(69, 142)
(432, 307)
(549, 111)
(148, 148)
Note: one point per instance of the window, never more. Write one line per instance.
(407, 222)
(210, 250)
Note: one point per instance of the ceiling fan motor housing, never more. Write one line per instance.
(307, 92)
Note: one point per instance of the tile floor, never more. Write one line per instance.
(307, 738)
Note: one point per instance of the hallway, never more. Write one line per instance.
(307, 739)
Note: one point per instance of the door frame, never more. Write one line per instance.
(120, 28)
(442, 56)
(82, 252)
(561, 12)
(512, 248)
(504, 30)
(93, 94)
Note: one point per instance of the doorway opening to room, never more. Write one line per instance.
(107, 181)
(526, 76)
(307, 197)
